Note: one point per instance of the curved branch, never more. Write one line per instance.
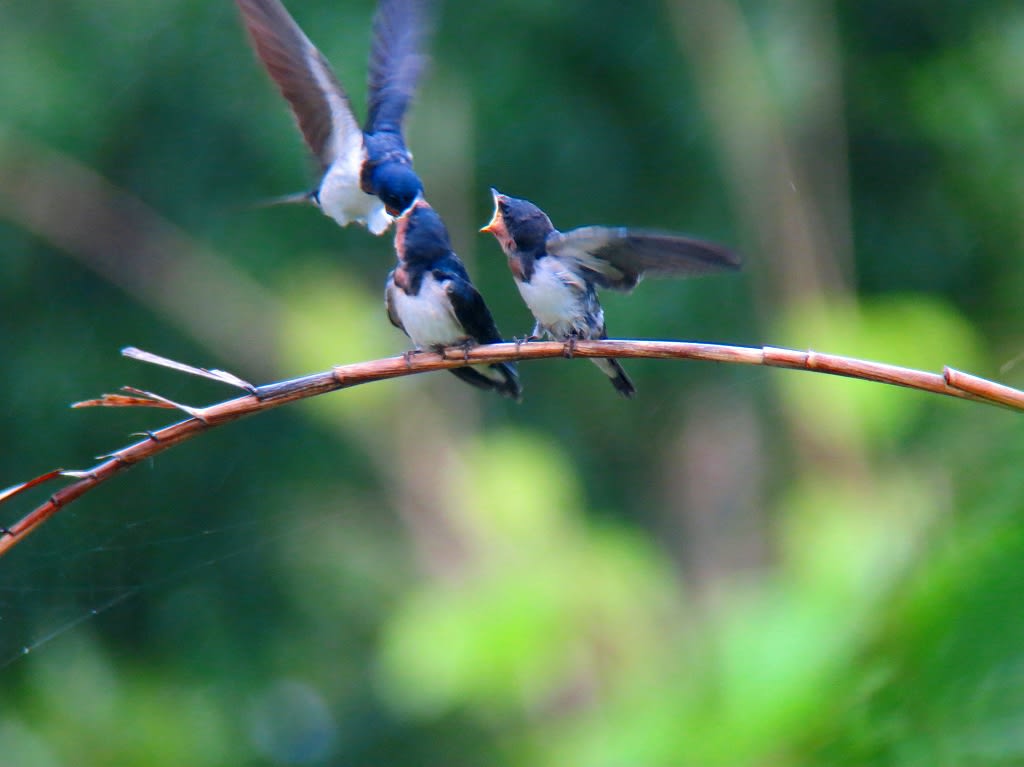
(950, 382)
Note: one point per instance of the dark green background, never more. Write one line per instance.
(742, 566)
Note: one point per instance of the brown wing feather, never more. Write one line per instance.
(303, 76)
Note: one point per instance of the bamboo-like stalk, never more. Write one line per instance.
(950, 382)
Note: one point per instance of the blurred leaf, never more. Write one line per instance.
(553, 598)
(330, 321)
(912, 331)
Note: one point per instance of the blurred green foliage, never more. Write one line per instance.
(738, 567)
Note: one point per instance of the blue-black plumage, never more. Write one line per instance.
(367, 172)
(430, 297)
(558, 273)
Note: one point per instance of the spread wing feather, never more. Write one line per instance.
(396, 62)
(617, 258)
(305, 79)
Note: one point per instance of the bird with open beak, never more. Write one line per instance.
(558, 273)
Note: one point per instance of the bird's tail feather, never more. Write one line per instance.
(297, 198)
(500, 377)
(617, 376)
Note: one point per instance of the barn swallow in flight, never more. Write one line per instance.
(429, 298)
(367, 173)
(558, 273)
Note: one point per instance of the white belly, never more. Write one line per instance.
(427, 317)
(342, 199)
(556, 299)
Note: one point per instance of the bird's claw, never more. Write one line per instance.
(463, 346)
(570, 347)
(408, 355)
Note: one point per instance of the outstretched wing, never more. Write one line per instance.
(396, 62)
(305, 79)
(618, 258)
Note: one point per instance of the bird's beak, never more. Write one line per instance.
(496, 226)
(418, 202)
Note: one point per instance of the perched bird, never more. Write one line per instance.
(429, 298)
(558, 273)
(367, 173)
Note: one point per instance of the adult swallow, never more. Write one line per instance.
(430, 298)
(558, 273)
(367, 173)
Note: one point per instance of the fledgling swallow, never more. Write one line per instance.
(367, 172)
(430, 298)
(558, 273)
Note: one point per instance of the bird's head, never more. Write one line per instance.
(397, 186)
(420, 234)
(518, 225)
